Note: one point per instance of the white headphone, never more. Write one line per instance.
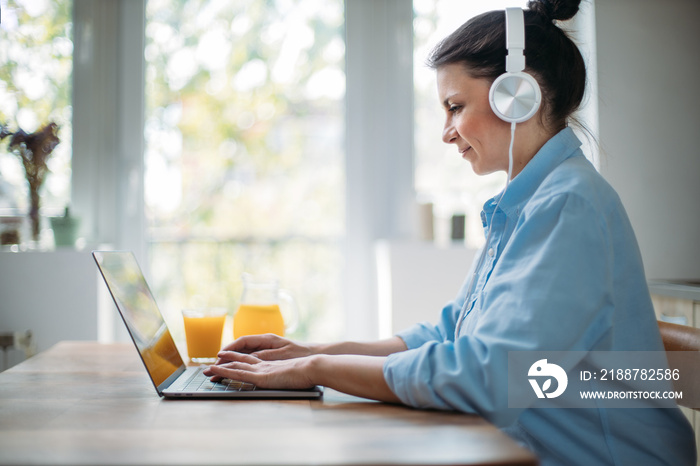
(515, 95)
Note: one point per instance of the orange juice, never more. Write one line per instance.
(255, 319)
(203, 335)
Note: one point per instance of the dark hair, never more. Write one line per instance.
(550, 55)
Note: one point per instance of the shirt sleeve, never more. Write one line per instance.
(549, 290)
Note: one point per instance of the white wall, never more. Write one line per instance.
(416, 279)
(649, 107)
(55, 295)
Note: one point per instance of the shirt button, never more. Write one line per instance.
(490, 252)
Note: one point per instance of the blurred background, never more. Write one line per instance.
(301, 139)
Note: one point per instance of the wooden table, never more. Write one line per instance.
(87, 403)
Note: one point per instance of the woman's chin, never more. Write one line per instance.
(481, 171)
(477, 168)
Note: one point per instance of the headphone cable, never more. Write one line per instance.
(463, 311)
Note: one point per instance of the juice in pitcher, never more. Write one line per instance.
(255, 319)
(259, 309)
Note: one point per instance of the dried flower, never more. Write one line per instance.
(34, 151)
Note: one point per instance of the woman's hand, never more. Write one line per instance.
(288, 373)
(269, 347)
(270, 361)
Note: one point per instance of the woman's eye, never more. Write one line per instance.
(454, 108)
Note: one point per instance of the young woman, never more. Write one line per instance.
(560, 271)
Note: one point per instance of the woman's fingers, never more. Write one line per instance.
(253, 343)
(272, 354)
(234, 371)
(234, 356)
(268, 347)
(233, 365)
(228, 357)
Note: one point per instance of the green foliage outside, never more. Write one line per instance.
(36, 62)
(244, 159)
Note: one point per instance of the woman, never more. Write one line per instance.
(560, 271)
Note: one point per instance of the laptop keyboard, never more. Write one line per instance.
(201, 383)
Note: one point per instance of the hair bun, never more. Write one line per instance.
(555, 9)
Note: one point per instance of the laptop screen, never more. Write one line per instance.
(138, 308)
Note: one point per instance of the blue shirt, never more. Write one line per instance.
(563, 272)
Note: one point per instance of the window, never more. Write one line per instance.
(36, 61)
(238, 176)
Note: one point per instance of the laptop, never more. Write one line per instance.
(147, 328)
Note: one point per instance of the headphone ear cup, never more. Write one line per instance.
(515, 97)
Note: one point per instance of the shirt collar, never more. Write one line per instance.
(560, 147)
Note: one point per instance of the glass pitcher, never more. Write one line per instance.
(259, 310)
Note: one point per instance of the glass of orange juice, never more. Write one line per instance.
(259, 311)
(203, 331)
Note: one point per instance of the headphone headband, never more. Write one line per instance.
(515, 40)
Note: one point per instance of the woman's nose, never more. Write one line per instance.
(449, 134)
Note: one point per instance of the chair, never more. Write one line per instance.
(681, 338)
